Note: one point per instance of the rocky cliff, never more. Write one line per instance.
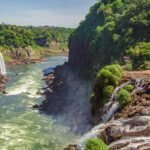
(67, 99)
(112, 31)
(16, 56)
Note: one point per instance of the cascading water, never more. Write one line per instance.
(2, 65)
(112, 106)
(128, 129)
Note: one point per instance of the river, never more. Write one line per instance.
(21, 127)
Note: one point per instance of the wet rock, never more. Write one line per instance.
(36, 107)
(66, 99)
(4, 92)
(71, 147)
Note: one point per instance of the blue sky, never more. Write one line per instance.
(66, 13)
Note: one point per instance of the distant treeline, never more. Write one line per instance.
(12, 36)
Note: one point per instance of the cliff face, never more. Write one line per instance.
(80, 50)
(67, 99)
(79, 54)
(109, 32)
(16, 56)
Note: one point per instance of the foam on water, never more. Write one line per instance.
(21, 127)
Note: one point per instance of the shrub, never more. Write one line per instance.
(124, 97)
(110, 75)
(129, 88)
(107, 79)
(95, 144)
(115, 69)
(128, 67)
(140, 54)
(145, 65)
(107, 91)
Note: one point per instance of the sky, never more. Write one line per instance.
(63, 13)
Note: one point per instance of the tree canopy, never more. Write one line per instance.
(22, 36)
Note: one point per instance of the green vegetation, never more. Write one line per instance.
(110, 75)
(21, 36)
(25, 43)
(107, 91)
(95, 144)
(129, 87)
(128, 67)
(112, 30)
(107, 79)
(124, 97)
(140, 55)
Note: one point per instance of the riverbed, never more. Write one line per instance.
(22, 127)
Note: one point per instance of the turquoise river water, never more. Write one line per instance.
(21, 127)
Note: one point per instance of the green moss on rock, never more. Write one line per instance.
(95, 144)
(124, 97)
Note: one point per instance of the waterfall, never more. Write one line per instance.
(94, 133)
(138, 86)
(116, 90)
(110, 109)
(2, 65)
(112, 106)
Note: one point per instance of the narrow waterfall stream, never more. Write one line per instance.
(21, 127)
(112, 106)
(2, 65)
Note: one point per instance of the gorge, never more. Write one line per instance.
(110, 51)
(97, 99)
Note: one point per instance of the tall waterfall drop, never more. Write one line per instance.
(2, 65)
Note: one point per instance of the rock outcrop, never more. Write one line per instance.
(27, 55)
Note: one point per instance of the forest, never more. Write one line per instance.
(12, 36)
